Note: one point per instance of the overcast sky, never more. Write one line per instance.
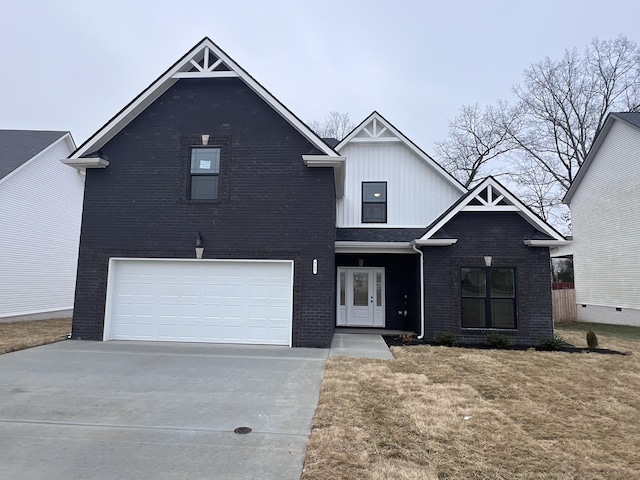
(71, 65)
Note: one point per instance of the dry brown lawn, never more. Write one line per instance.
(19, 335)
(453, 413)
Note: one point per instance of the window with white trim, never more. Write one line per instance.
(204, 171)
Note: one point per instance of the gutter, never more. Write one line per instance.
(413, 244)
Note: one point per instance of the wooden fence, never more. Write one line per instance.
(564, 305)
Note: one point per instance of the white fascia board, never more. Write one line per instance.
(494, 208)
(435, 242)
(84, 163)
(547, 243)
(64, 138)
(408, 143)
(373, 247)
(337, 163)
(215, 74)
(167, 79)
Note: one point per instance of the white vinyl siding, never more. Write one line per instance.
(216, 301)
(606, 224)
(416, 193)
(40, 215)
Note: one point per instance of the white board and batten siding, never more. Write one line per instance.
(605, 213)
(416, 193)
(213, 301)
(40, 216)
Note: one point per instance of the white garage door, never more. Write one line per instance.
(219, 301)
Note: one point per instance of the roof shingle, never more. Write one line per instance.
(18, 146)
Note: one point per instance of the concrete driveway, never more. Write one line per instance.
(129, 410)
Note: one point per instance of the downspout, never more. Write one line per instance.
(413, 244)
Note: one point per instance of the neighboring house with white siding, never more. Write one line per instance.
(604, 199)
(40, 216)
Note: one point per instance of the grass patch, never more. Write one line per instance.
(625, 332)
(452, 413)
(20, 335)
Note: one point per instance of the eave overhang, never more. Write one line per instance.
(373, 247)
(547, 243)
(83, 163)
(337, 163)
(435, 242)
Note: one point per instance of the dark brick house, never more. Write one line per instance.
(213, 214)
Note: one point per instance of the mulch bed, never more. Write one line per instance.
(396, 341)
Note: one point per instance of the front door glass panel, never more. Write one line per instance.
(360, 289)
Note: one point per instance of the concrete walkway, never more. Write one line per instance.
(359, 345)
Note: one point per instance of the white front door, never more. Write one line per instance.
(360, 297)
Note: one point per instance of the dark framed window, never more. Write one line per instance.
(488, 297)
(203, 173)
(374, 202)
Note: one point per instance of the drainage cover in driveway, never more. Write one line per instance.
(242, 430)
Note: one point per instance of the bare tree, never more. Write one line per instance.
(541, 141)
(336, 125)
(477, 136)
(565, 102)
(537, 189)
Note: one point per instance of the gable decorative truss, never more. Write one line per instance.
(377, 129)
(205, 60)
(205, 64)
(491, 196)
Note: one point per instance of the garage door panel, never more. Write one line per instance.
(203, 301)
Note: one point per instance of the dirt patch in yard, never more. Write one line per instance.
(19, 335)
(459, 413)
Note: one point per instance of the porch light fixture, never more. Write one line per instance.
(199, 247)
(361, 262)
(205, 139)
(314, 266)
(487, 261)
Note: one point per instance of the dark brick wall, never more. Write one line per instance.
(402, 277)
(379, 234)
(271, 206)
(500, 235)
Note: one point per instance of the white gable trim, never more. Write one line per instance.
(383, 131)
(496, 194)
(199, 53)
(63, 138)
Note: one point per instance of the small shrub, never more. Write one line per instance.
(446, 339)
(592, 340)
(497, 340)
(551, 343)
